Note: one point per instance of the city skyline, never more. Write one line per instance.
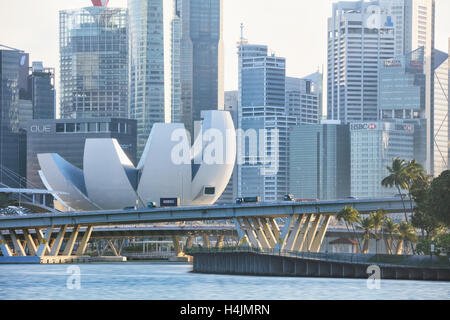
(253, 13)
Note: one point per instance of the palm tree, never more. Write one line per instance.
(378, 218)
(350, 216)
(367, 224)
(407, 233)
(398, 178)
(391, 228)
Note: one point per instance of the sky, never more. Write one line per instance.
(294, 29)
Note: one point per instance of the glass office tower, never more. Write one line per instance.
(41, 83)
(201, 58)
(304, 98)
(403, 92)
(262, 83)
(13, 76)
(150, 24)
(94, 62)
(359, 35)
(319, 158)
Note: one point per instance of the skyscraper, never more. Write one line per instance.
(402, 25)
(231, 191)
(319, 158)
(402, 94)
(94, 62)
(439, 114)
(360, 34)
(41, 83)
(13, 76)
(373, 146)
(200, 57)
(150, 28)
(264, 169)
(304, 98)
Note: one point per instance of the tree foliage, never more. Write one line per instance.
(439, 198)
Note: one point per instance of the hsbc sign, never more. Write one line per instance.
(373, 126)
(363, 126)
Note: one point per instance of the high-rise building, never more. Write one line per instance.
(94, 62)
(150, 31)
(231, 191)
(410, 23)
(373, 146)
(439, 114)
(360, 34)
(67, 138)
(304, 98)
(264, 155)
(13, 87)
(320, 161)
(403, 95)
(201, 79)
(41, 83)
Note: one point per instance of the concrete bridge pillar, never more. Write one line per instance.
(6, 251)
(292, 237)
(219, 243)
(177, 246)
(84, 241)
(58, 241)
(299, 243)
(206, 241)
(18, 248)
(71, 242)
(44, 240)
(32, 248)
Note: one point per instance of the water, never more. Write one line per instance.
(164, 281)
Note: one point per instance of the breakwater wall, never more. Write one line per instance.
(258, 264)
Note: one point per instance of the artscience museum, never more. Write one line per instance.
(170, 168)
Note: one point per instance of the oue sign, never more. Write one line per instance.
(40, 128)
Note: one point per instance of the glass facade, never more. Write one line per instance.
(42, 85)
(355, 46)
(373, 146)
(403, 98)
(262, 83)
(304, 97)
(402, 87)
(94, 63)
(440, 116)
(201, 58)
(13, 72)
(150, 67)
(320, 162)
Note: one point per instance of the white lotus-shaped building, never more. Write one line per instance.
(169, 168)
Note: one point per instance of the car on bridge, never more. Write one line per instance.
(243, 200)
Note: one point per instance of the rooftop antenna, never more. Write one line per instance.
(242, 39)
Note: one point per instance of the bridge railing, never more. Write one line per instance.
(324, 256)
(377, 259)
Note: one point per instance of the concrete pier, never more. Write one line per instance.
(248, 263)
(44, 259)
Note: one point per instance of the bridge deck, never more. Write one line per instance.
(226, 212)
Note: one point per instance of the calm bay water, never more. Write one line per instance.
(155, 281)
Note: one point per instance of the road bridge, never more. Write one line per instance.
(257, 225)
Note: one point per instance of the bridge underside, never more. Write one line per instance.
(68, 244)
(301, 232)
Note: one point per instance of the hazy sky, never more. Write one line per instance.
(294, 29)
